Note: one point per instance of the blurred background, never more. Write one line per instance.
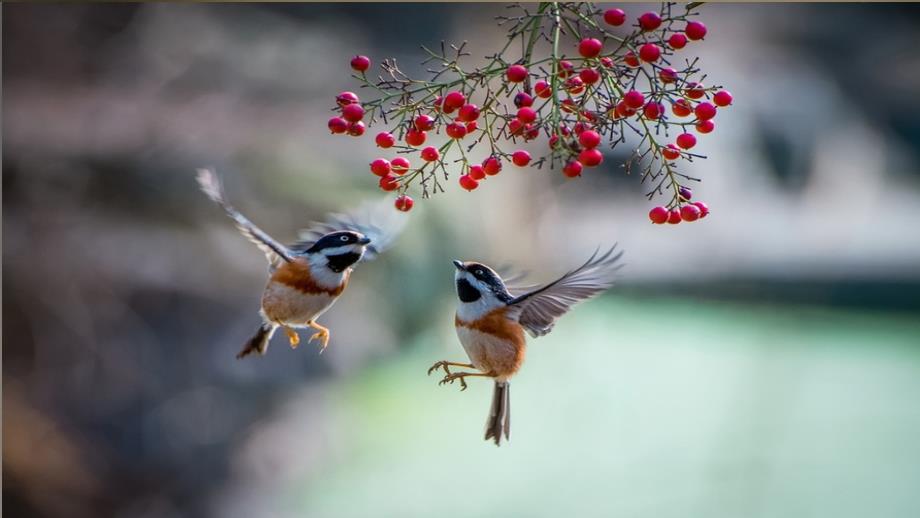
(764, 362)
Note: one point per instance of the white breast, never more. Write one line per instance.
(281, 303)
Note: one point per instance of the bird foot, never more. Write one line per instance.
(440, 365)
(451, 378)
(323, 335)
(293, 337)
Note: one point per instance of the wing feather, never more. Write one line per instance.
(378, 221)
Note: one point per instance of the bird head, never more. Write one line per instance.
(341, 249)
(477, 282)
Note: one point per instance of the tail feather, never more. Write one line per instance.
(259, 342)
(499, 421)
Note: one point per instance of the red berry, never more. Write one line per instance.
(722, 98)
(704, 209)
(685, 193)
(705, 126)
(677, 41)
(388, 183)
(526, 114)
(399, 165)
(360, 63)
(352, 112)
(356, 129)
(624, 110)
(653, 110)
(634, 99)
(346, 98)
(338, 125)
(522, 100)
(424, 122)
(380, 167)
(385, 140)
(453, 101)
(575, 85)
(580, 128)
(492, 166)
(415, 137)
(658, 215)
(589, 139)
(686, 140)
(674, 216)
(649, 52)
(438, 102)
(590, 47)
(668, 75)
(553, 141)
(404, 203)
(649, 21)
(704, 111)
(695, 90)
(566, 68)
(572, 169)
(614, 17)
(568, 106)
(542, 89)
(468, 183)
(477, 172)
(520, 158)
(689, 213)
(695, 30)
(681, 108)
(516, 73)
(515, 126)
(430, 154)
(671, 152)
(631, 59)
(589, 76)
(607, 62)
(471, 126)
(456, 130)
(590, 157)
(531, 132)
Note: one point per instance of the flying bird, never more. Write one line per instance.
(307, 277)
(491, 322)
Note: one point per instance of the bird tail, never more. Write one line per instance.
(259, 341)
(499, 421)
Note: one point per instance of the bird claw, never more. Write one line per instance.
(293, 337)
(323, 335)
(451, 378)
(439, 365)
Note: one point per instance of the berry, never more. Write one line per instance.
(607, 62)
(677, 41)
(575, 85)
(674, 216)
(695, 30)
(580, 128)
(356, 129)
(471, 126)
(689, 213)
(589, 76)
(388, 183)
(572, 169)
(424, 122)
(430, 154)
(338, 125)
(415, 137)
(566, 68)
(399, 165)
(453, 101)
(614, 17)
(468, 183)
(668, 75)
(526, 114)
(346, 98)
(658, 215)
(634, 99)
(631, 59)
(722, 98)
(380, 167)
(624, 110)
(531, 132)
(438, 101)
(385, 140)
(456, 130)
(695, 90)
(649, 52)
(649, 21)
(515, 127)
(705, 126)
(685, 193)
(352, 112)
(568, 106)
(671, 152)
(404, 203)
(553, 141)
(704, 209)
(590, 47)
(681, 108)
(704, 111)
(477, 172)
(542, 89)
(520, 158)
(686, 140)
(522, 100)
(360, 63)
(653, 110)
(492, 166)
(516, 73)
(589, 139)
(590, 157)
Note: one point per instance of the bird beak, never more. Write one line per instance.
(364, 240)
(459, 265)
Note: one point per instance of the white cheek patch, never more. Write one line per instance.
(321, 273)
(469, 311)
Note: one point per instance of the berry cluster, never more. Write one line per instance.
(615, 83)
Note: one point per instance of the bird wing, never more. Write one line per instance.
(274, 251)
(538, 310)
(515, 281)
(378, 221)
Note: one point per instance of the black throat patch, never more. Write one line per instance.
(338, 263)
(467, 292)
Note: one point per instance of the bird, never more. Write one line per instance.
(491, 323)
(307, 277)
